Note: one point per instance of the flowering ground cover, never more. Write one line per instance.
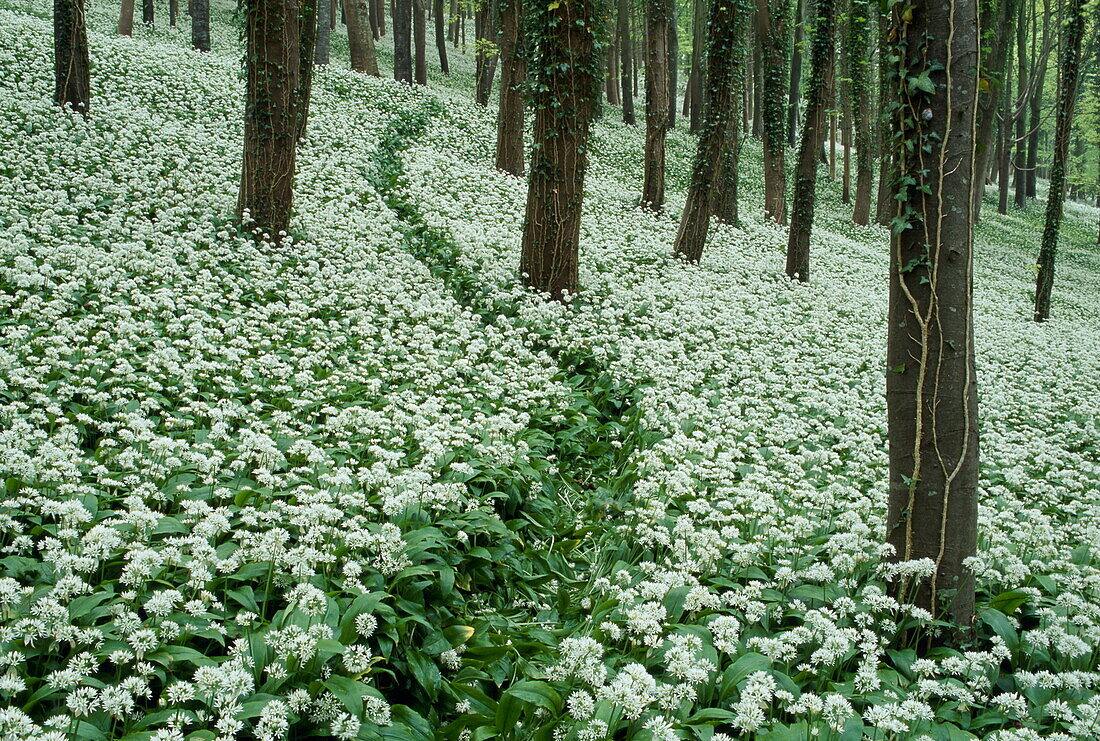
(366, 487)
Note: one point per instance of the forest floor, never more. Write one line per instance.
(364, 486)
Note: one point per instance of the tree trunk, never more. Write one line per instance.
(147, 12)
(173, 11)
(611, 77)
(126, 18)
(887, 171)
(757, 79)
(1035, 102)
(725, 31)
(486, 60)
(420, 33)
(931, 395)
(795, 92)
(371, 18)
(271, 118)
(360, 41)
(695, 77)
(1067, 98)
(724, 203)
(673, 63)
(72, 80)
(441, 37)
(772, 30)
(1020, 159)
(997, 26)
(859, 70)
(626, 51)
(307, 45)
(200, 24)
(324, 32)
(1004, 130)
(380, 6)
(402, 41)
(817, 103)
(513, 72)
(658, 20)
(566, 73)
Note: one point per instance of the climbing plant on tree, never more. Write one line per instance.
(72, 78)
(931, 391)
(271, 115)
(564, 70)
(813, 133)
(658, 21)
(771, 19)
(725, 54)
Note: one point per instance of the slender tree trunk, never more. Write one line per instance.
(371, 18)
(802, 214)
(1020, 160)
(846, 144)
(859, 70)
(757, 79)
(420, 74)
(772, 30)
(72, 80)
(626, 50)
(147, 12)
(658, 19)
(887, 170)
(380, 6)
(724, 203)
(402, 41)
(441, 37)
(611, 63)
(126, 18)
(931, 393)
(796, 74)
(695, 77)
(513, 72)
(725, 31)
(1004, 131)
(324, 32)
(673, 63)
(271, 118)
(486, 62)
(200, 24)
(307, 45)
(566, 73)
(1035, 105)
(1067, 97)
(997, 27)
(173, 11)
(360, 41)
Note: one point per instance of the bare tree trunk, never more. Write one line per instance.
(360, 41)
(200, 24)
(402, 41)
(997, 25)
(271, 118)
(324, 32)
(126, 18)
(380, 6)
(1067, 98)
(725, 30)
(931, 393)
(658, 19)
(626, 51)
(813, 129)
(796, 74)
(1035, 106)
(441, 37)
(173, 11)
(307, 45)
(566, 90)
(420, 72)
(486, 61)
(72, 79)
(673, 63)
(147, 12)
(1004, 129)
(887, 171)
(513, 72)
(695, 77)
(859, 71)
(771, 28)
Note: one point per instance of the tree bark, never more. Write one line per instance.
(673, 63)
(420, 40)
(658, 20)
(795, 92)
(859, 69)
(565, 67)
(126, 18)
(441, 37)
(360, 41)
(1020, 159)
(402, 41)
(513, 72)
(173, 11)
(695, 76)
(324, 32)
(72, 79)
(997, 24)
(307, 45)
(200, 24)
(772, 31)
(725, 53)
(626, 52)
(887, 171)
(813, 130)
(147, 12)
(931, 393)
(271, 117)
(1067, 98)
(486, 58)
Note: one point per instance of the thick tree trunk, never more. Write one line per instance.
(307, 45)
(611, 64)
(513, 72)
(360, 41)
(565, 67)
(420, 40)
(402, 41)
(380, 7)
(72, 79)
(771, 28)
(441, 37)
(813, 129)
(126, 18)
(200, 24)
(324, 32)
(147, 12)
(271, 118)
(931, 393)
(698, 60)
(658, 20)
(724, 203)
(795, 93)
(626, 51)
(1067, 98)
(725, 30)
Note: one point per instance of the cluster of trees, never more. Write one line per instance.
(946, 96)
